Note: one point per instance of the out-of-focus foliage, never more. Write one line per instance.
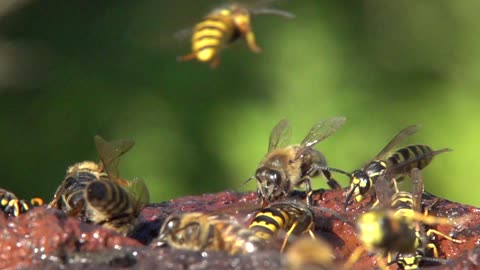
(70, 71)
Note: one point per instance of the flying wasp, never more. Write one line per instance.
(199, 231)
(286, 167)
(294, 218)
(12, 206)
(402, 160)
(223, 26)
(398, 226)
(94, 192)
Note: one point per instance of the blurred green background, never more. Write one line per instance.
(70, 71)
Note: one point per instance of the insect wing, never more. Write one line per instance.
(138, 189)
(418, 188)
(400, 137)
(403, 166)
(110, 153)
(280, 135)
(385, 186)
(319, 132)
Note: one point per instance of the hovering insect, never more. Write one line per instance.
(403, 161)
(12, 206)
(223, 26)
(294, 218)
(208, 232)
(94, 192)
(398, 226)
(286, 167)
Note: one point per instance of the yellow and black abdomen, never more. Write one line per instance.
(413, 156)
(12, 206)
(109, 205)
(210, 35)
(295, 219)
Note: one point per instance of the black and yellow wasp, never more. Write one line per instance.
(398, 164)
(12, 206)
(222, 26)
(294, 218)
(397, 226)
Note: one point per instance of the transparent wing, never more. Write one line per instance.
(138, 189)
(417, 192)
(183, 34)
(280, 135)
(110, 153)
(385, 186)
(404, 166)
(320, 131)
(400, 137)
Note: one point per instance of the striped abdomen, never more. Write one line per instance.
(402, 205)
(12, 206)
(236, 239)
(110, 205)
(288, 217)
(415, 156)
(73, 200)
(210, 35)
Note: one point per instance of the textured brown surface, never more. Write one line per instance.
(46, 239)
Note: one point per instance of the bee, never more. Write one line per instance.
(115, 206)
(223, 26)
(12, 206)
(94, 192)
(286, 167)
(403, 160)
(294, 218)
(199, 231)
(309, 253)
(398, 226)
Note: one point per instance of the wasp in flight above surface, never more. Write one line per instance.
(12, 206)
(397, 226)
(399, 163)
(294, 218)
(310, 254)
(223, 26)
(94, 192)
(199, 231)
(285, 167)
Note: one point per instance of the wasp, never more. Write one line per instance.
(398, 225)
(223, 26)
(403, 160)
(199, 231)
(94, 192)
(12, 206)
(286, 167)
(294, 218)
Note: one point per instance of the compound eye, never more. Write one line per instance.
(172, 224)
(364, 184)
(275, 177)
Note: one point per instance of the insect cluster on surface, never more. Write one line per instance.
(395, 224)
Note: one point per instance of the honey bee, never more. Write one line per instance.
(12, 206)
(403, 161)
(223, 26)
(398, 226)
(115, 206)
(286, 167)
(294, 218)
(94, 192)
(199, 231)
